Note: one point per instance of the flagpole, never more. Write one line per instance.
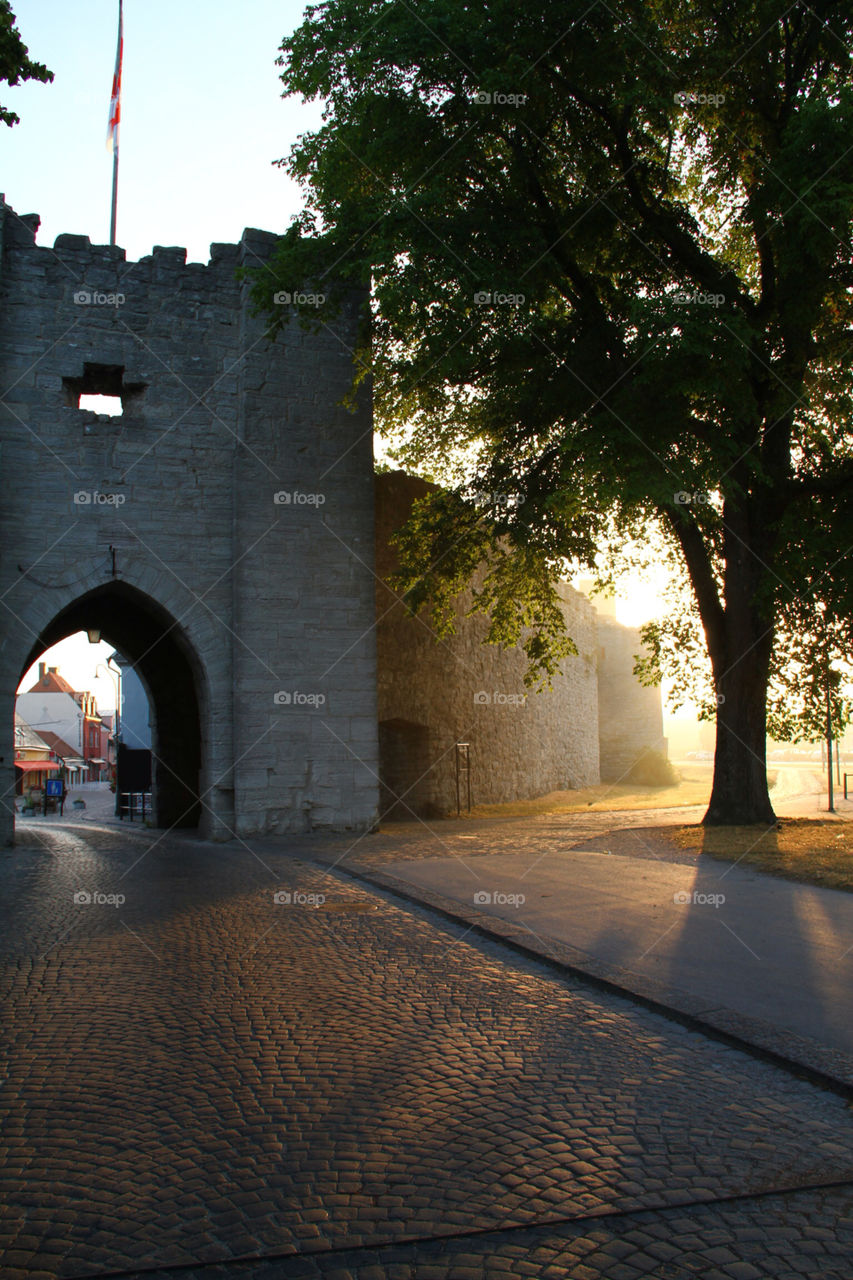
(115, 196)
(115, 119)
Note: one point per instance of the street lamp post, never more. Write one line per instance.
(830, 806)
(115, 676)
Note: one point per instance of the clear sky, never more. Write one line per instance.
(202, 121)
(76, 659)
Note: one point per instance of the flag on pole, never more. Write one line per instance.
(115, 100)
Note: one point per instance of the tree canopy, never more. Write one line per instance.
(15, 62)
(609, 248)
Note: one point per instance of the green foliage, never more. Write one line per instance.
(609, 250)
(456, 540)
(810, 654)
(15, 63)
(806, 682)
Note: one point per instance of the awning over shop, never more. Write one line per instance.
(37, 766)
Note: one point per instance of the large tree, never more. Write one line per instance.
(15, 62)
(611, 264)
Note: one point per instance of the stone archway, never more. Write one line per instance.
(157, 647)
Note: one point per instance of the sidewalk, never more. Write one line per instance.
(761, 959)
(760, 946)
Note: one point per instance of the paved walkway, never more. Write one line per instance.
(215, 1053)
(763, 947)
(762, 959)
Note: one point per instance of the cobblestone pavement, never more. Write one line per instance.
(775, 1238)
(198, 1074)
(637, 832)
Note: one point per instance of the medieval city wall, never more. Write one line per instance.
(433, 695)
(630, 715)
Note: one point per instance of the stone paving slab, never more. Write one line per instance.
(201, 1072)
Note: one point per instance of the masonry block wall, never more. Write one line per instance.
(630, 715)
(225, 519)
(432, 695)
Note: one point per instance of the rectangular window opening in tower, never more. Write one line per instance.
(102, 389)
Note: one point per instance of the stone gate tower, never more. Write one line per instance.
(218, 531)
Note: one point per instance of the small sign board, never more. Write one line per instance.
(54, 787)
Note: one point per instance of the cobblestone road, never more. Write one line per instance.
(635, 832)
(199, 1073)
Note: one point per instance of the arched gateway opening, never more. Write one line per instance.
(157, 649)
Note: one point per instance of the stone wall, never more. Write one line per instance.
(249, 620)
(630, 716)
(433, 695)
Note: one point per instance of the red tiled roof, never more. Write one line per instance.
(57, 744)
(51, 682)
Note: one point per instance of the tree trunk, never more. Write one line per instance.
(739, 795)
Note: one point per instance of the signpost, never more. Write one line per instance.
(55, 790)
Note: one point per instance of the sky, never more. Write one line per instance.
(202, 122)
(82, 664)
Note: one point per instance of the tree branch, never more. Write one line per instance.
(698, 561)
